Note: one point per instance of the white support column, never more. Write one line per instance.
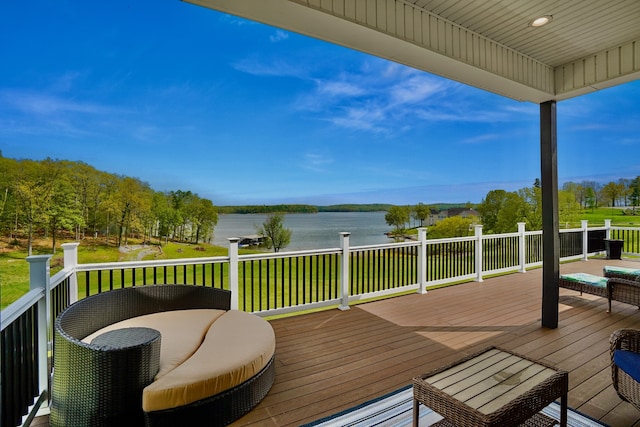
(39, 277)
(71, 262)
(422, 260)
(607, 226)
(478, 234)
(585, 239)
(344, 271)
(522, 243)
(234, 286)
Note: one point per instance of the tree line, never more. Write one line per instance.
(501, 211)
(592, 194)
(267, 209)
(299, 208)
(47, 197)
(52, 196)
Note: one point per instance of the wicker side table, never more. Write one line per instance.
(135, 361)
(100, 384)
(492, 388)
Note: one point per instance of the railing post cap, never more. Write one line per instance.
(233, 239)
(38, 258)
(70, 245)
(345, 233)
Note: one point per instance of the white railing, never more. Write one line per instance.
(290, 282)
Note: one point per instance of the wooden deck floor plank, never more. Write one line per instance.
(329, 354)
(420, 349)
(330, 391)
(622, 415)
(591, 387)
(604, 403)
(587, 370)
(329, 327)
(607, 401)
(587, 347)
(567, 333)
(582, 339)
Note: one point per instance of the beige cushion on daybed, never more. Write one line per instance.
(181, 333)
(203, 352)
(237, 346)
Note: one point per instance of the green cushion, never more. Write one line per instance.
(587, 278)
(622, 270)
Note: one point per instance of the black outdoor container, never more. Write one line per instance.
(613, 248)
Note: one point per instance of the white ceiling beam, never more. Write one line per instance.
(610, 67)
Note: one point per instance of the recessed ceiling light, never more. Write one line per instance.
(542, 20)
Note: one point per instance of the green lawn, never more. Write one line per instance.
(617, 216)
(14, 269)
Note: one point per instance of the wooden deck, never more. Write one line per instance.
(332, 360)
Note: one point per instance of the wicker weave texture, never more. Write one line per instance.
(538, 420)
(588, 289)
(519, 410)
(626, 291)
(619, 275)
(628, 389)
(583, 287)
(221, 409)
(100, 385)
(618, 289)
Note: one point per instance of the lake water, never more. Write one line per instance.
(310, 231)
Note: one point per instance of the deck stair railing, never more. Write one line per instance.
(268, 284)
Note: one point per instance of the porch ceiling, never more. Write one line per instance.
(587, 46)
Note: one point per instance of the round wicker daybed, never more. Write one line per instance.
(159, 355)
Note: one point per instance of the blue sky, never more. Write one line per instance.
(187, 98)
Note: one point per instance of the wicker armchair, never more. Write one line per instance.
(625, 364)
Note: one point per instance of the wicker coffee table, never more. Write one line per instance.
(492, 388)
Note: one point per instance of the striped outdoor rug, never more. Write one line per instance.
(396, 410)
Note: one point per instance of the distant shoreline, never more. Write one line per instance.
(297, 208)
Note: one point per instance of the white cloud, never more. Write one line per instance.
(483, 138)
(40, 103)
(340, 88)
(363, 117)
(278, 36)
(414, 90)
(30, 112)
(234, 20)
(275, 68)
(316, 162)
(384, 98)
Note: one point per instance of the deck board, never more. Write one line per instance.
(332, 360)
